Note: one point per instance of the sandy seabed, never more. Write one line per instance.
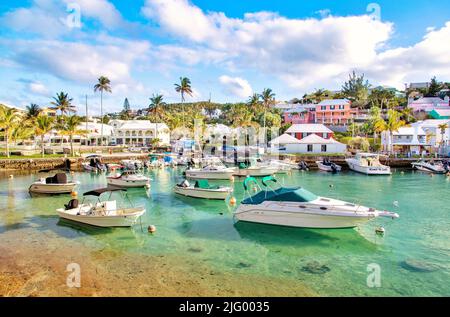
(29, 266)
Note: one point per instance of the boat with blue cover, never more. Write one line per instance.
(297, 207)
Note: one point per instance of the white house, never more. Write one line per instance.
(139, 132)
(420, 136)
(91, 134)
(312, 144)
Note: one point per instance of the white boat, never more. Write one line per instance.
(132, 164)
(56, 184)
(128, 179)
(94, 164)
(101, 214)
(282, 166)
(297, 207)
(202, 189)
(369, 164)
(211, 172)
(328, 166)
(430, 167)
(256, 169)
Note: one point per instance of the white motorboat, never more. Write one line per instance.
(256, 169)
(282, 166)
(101, 214)
(56, 184)
(297, 207)
(132, 164)
(328, 166)
(128, 179)
(369, 164)
(211, 172)
(430, 167)
(202, 189)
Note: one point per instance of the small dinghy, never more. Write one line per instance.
(128, 179)
(202, 189)
(328, 166)
(56, 184)
(101, 213)
(94, 164)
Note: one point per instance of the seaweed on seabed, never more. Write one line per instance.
(315, 268)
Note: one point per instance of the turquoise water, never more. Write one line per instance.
(205, 231)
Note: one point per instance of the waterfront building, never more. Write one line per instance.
(139, 132)
(312, 144)
(300, 114)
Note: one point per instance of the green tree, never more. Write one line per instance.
(434, 88)
(268, 99)
(254, 103)
(155, 108)
(8, 118)
(43, 125)
(70, 128)
(391, 125)
(184, 88)
(63, 103)
(381, 98)
(126, 105)
(103, 85)
(356, 89)
(33, 110)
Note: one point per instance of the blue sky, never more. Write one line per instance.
(229, 49)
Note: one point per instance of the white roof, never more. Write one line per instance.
(308, 128)
(429, 100)
(409, 131)
(139, 125)
(432, 123)
(315, 139)
(285, 139)
(334, 102)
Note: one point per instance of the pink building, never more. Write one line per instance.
(334, 112)
(300, 114)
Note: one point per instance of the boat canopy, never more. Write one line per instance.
(297, 194)
(204, 184)
(100, 191)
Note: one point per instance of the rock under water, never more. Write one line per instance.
(315, 268)
(414, 265)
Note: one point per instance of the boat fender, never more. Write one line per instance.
(11, 176)
(395, 203)
(232, 178)
(232, 201)
(74, 194)
(331, 186)
(380, 231)
(151, 229)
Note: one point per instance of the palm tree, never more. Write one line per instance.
(44, 124)
(21, 132)
(33, 110)
(63, 103)
(442, 127)
(156, 104)
(8, 118)
(268, 99)
(70, 128)
(254, 103)
(184, 87)
(104, 84)
(392, 125)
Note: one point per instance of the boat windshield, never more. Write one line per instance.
(297, 194)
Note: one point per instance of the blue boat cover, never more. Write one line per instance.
(296, 194)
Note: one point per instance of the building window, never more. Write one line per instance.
(304, 135)
(341, 107)
(325, 135)
(332, 107)
(323, 107)
(324, 147)
(310, 147)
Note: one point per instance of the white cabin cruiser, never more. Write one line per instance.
(101, 214)
(202, 189)
(328, 166)
(369, 164)
(297, 207)
(430, 167)
(213, 171)
(256, 169)
(132, 164)
(128, 179)
(56, 184)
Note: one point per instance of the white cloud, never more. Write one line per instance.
(236, 86)
(38, 88)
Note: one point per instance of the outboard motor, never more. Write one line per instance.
(333, 167)
(303, 166)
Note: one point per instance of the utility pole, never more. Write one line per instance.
(87, 134)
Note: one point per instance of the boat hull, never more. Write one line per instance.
(369, 170)
(127, 183)
(40, 188)
(256, 172)
(328, 168)
(221, 194)
(428, 169)
(103, 221)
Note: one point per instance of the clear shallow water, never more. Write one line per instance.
(205, 231)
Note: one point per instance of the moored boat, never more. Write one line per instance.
(102, 213)
(128, 179)
(211, 172)
(328, 166)
(56, 184)
(369, 164)
(430, 167)
(297, 207)
(202, 189)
